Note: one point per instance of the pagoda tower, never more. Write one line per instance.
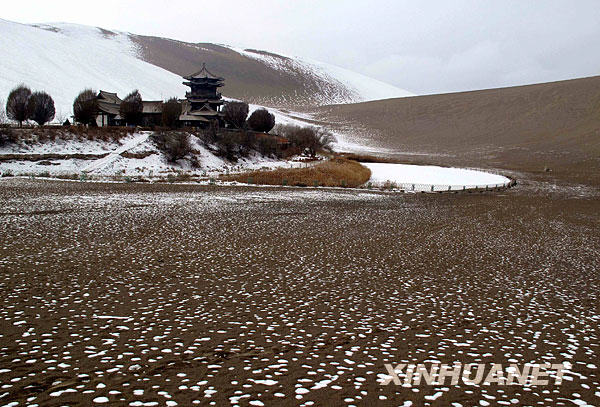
(204, 101)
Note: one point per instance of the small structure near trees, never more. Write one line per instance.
(108, 109)
(203, 101)
(201, 108)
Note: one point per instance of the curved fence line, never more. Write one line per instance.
(420, 187)
(409, 187)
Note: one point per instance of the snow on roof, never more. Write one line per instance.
(191, 117)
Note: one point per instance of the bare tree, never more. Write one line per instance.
(85, 107)
(171, 110)
(61, 117)
(236, 113)
(326, 139)
(261, 120)
(40, 108)
(132, 108)
(16, 104)
(308, 139)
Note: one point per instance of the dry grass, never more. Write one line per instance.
(333, 173)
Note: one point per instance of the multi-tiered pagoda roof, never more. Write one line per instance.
(203, 100)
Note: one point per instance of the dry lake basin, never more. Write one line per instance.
(160, 294)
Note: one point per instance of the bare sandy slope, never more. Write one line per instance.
(263, 77)
(247, 79)
(523, 128)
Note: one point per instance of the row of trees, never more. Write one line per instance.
(236, 115)
(23, 105)
(308, 140)
(85, 110)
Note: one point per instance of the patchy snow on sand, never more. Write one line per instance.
(116, 154)
(425, 176)
(353, 86)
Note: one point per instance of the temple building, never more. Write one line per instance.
(204, 102)
(201, 107)
(108, 109)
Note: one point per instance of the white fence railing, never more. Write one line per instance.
(407, 187)
(420, 187)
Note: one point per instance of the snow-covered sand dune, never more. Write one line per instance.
(353, 87)
(64, 59)
(423, 177)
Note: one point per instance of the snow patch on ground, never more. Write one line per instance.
(114, 155)
(423, 177)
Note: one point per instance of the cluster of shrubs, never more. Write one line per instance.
(174, 144)
(236, 116)
(7, 136)
(307, 140)
(23, 105)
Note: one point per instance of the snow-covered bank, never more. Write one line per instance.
(134, 155)
(424, 177)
